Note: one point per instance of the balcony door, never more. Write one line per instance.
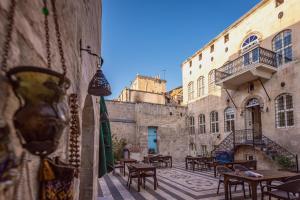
(253, 120)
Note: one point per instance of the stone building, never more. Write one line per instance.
(78, 21)
(153, 128)
(145, 89)
(174, 96)
(241, 88)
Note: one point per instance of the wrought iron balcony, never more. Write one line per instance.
(258, 63)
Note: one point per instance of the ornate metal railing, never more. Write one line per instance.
(256, 55)
(273, 150)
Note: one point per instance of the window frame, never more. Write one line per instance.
(285, 110)
(214, 122)
(201, 124)
(283, 48)
(192, 125)
(200, 86)
(211, 81)
(190, 91)
(230, 120)
(212, 48)
(226, 38)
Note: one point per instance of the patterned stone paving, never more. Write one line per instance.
(174, 183)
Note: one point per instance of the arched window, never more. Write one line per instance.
(214, 122)
(211, 81)
(201, 122)
(229, 119)
(251, 40)
(282, 46)
(284, 111)
(191, 90)
(200, 86)
(191, 125)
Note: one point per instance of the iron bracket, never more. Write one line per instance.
(89, 51)
(230, 98)
(264, 89)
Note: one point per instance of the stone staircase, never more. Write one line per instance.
(273, 150)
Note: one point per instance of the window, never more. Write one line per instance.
(211, 81)
(191, 91)
(191, 63)
(214, 122)
(229, 119)
(250, 41)
(226, 38)
(201, 122)
(200, 86)
(284, 111)
(204, 149)
(200, 56)
(191, 125)
(279, 2)
(282, 46)
(212, 48)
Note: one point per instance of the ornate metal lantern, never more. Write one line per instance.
(99, 85)
(43, 113)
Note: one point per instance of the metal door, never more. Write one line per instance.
(152, 139)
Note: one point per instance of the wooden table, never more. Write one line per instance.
(268, 176)
(192, 159)
(251, 164)
(167, 158)
(142, 167)
(127, 160)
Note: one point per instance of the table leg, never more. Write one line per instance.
(124, 167)
(193, 165)
(171, 162)
(155, 179)
(139, 181)
(226, 181)
(215, 170)
(254, 190)
(186, 164)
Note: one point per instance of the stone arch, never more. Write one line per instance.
(259, 98)
(258, 34)
(87, 150)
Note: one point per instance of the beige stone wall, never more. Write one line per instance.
(79, 20)
(149, 84)
(262, 20)
(131, 121)
(129, 95)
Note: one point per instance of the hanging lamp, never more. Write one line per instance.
(43, 111)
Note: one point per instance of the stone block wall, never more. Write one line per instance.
(78, 20)
(131, 121)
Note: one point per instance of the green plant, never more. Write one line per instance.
(284, 162)
(118, 146)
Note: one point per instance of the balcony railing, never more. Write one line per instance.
(256, 55)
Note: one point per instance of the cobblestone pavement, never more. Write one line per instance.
(174, 183)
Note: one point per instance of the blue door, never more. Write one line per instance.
(152, 140)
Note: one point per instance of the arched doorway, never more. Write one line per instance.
(253, 119)
(87, 150)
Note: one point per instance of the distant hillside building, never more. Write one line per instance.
(145, 89)
(175, 96)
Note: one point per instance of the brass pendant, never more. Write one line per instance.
(43, 113)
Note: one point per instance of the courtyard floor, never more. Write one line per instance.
(174, 183)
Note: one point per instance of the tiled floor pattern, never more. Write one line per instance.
(174, 183)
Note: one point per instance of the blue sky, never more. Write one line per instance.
(149, 36)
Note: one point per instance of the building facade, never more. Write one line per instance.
(152, 128)
(78, 21)
(144, 89)
(242, 86)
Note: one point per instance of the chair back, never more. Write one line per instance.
(239, 167)
(222, 169)
(290, 186)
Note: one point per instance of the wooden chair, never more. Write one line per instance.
(221, 170)
(148, 174)
(132, 173)
(289, 190)
(117, 165)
